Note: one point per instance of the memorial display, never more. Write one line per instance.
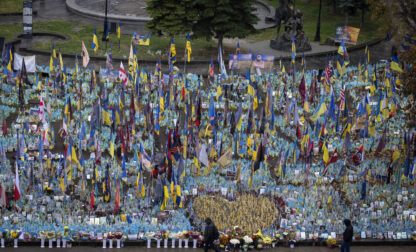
(101, 154)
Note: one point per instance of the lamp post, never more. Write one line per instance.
(318, 26)
(105, 22)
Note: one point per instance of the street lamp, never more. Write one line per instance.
(318, 26)
(104, 38)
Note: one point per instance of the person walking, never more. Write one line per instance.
(210, 235)
(347, 236)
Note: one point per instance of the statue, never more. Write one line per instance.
(282, 14)
(293, 21)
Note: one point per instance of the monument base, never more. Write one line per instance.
(285, 44)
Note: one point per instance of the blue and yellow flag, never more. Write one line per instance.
(172, 51)
(94, 44)
(188, 48)
(293, 50)
(144, 40)
(107, 32)
(394, 65)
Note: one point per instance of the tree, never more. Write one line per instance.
(171, 16)
(224, 19)
(348, 6)
(398, 17)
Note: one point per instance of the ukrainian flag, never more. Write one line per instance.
(320, 110)
(144, 41)
(293, 50)
(94, 44)
(172, 51)
(394, 65)
(188, 48)
(118, 31)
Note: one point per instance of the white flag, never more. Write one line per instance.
(85, 56)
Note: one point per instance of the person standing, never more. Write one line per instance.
(210, 235)
(347, 236)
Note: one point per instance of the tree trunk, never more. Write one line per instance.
(362, 17)
(333, 6)
(346, 18)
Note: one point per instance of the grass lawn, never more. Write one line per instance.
(78, 32)
(10, 6)
(328, 22)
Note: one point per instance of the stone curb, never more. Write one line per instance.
(71, 5)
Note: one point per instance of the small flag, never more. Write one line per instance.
(188, 48)
(94, 43)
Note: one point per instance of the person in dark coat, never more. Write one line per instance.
(347, 236)
(210, 235)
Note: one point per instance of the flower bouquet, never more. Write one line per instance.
(224, 240)
(159, 236)
(180, 236)
(118, 235)
(51, 237)
(292, 243)
(195, 237)
(27, 236)
(149, 236)
(235, 243)
(3, 235)
(260, 243)
(331, 242)
(14, 234)
(186, 238)
(110, 238)
(42, 236)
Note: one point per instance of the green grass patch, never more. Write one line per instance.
(78, 33)
(329, 22)
(11, 6)
(10, 30)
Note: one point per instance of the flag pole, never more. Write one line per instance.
(186, 59)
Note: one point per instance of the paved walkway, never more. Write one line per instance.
(263, 47)
(278, 249)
